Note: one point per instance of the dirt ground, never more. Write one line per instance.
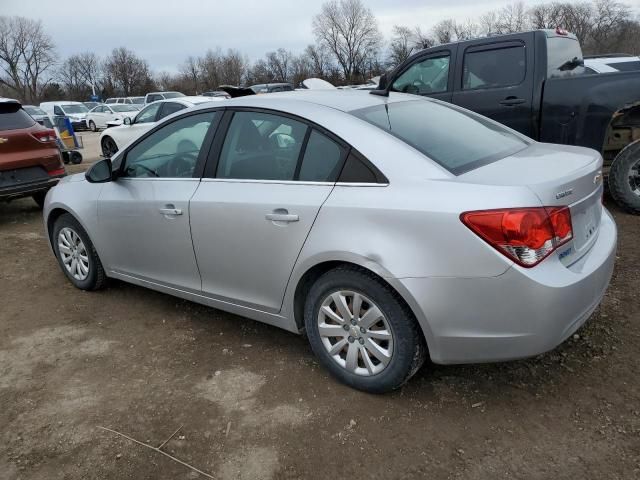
(254, 404)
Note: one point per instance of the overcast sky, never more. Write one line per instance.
(165, 32)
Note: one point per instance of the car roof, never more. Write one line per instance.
(343, 100)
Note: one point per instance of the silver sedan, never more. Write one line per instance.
(388, 228)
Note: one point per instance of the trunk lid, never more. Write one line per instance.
(559, 175)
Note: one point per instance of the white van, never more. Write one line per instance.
(76, 111)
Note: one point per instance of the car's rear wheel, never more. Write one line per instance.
(109, 147)
(362, 331)
(624, 178)
(92, 126)
(76, 254)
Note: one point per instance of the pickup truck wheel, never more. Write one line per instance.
(624, 178)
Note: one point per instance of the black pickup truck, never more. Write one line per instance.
(535, 82)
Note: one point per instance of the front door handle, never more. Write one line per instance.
(170, 210)
(511, 101)
(281, 215)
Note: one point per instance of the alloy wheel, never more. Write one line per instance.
(355, 333)
(634, 178)
(73, 254)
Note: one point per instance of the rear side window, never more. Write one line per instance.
(630, 66)
(497, 67)
(457, 140)
(321, 161)
(13, 117)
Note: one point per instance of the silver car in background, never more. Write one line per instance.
(387, 228)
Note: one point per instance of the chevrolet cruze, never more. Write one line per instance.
(386, 228)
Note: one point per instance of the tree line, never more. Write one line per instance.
(349, 48)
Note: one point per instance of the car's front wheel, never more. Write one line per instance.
(362, 331)
(109, 147)
(76, 254)
(92, 126)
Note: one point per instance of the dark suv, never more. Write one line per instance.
(30, 161)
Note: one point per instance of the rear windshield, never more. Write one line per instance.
(630, 66)
(73, 108)
(13, 117)
(123, 108)
(564, 57)
(460, 141)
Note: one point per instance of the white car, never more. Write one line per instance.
(105, 116)
(128, 100)
(114, 138)
(155, 96)
(609, 64)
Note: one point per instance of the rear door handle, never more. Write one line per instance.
(281, 215)
(510, 101)
(170, 210)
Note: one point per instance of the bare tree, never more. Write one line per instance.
(279, 64)
(233, 67)
(129, 73)
(27, 55)
(349, 30)
(422, 39)
(320, 60)
(190, 70)
(512, 18)
(402, 45)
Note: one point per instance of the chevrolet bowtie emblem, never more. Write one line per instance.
(3, 140)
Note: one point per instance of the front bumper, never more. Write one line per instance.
(79, 124)
(521, 313)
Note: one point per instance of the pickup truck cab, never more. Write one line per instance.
(536, 83)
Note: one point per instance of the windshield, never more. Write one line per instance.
(173, 94)
(74, 109)
(564, 57)
(458, 140)
(123, 108)
(33, 110)
(629, 66)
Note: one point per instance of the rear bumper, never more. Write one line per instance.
(521, 313)
(20, 190)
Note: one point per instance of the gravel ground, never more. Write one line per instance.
(253, 403)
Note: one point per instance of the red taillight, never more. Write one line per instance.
(54, 173)
(526, 235)
(45, 136)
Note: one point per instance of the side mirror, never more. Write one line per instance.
(127, 120)
(382, 83)
(100, 172)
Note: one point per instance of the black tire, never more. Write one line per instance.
(625, 170)
(39, 198)
(92, 126)
(409, 348)
(75, 157)
(65, 157)
(96, 278)
(109, 147)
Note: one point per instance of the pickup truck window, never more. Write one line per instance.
(435, 129)
(496, 67)
(564, 57)
(424, 77)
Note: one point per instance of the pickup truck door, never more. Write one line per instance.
(496, 80)
(430, 75)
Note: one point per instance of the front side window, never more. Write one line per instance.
(497, 67)
(424, 77)
(57, 110)
(172, 151)
(261, 146)
(322, 159)
(148, 115)
(434, 129)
